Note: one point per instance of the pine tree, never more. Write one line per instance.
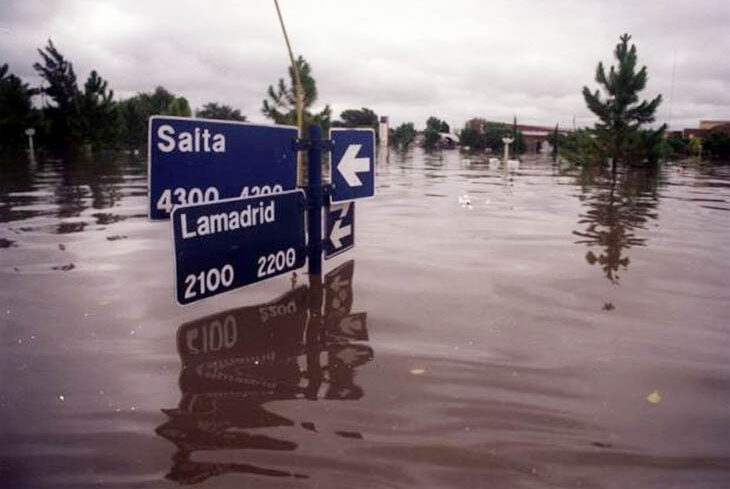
(62, 89)
(282, 103)
(619, 134)
(99, 121)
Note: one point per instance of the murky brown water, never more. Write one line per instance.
(544, 328)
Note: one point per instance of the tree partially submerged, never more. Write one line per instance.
(136, 111)
(16, 110)
(619, 133)
(479, 135)
(402, 136)
(431, 136)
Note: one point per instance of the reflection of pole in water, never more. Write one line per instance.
(313, 337)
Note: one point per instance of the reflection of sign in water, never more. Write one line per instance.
(192, 161)
(232, 243)
(338, 289)
(245, 330)
(236, 361)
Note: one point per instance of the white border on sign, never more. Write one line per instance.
(198, 204)
(375, 163)
(339, 252)
(193, 119)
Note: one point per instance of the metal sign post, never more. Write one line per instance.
(314, 198)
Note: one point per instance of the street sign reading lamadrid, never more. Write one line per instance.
(353, 164)
(193, 161)
(340, 230)
(224, 245)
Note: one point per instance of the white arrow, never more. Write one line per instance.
(350, 165)
(339, 232)
(338, 283)
(350, 326)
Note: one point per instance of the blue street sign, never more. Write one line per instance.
(224, 245)
(193, 161)
(340, 229)
(353, 164)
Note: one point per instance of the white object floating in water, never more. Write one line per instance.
(61, 398)
(654, 397)
(465, 200)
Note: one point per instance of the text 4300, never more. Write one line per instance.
(171, 198)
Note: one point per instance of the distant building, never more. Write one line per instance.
(448, 140)
(535, 136)
(707, 127)
(712, 124)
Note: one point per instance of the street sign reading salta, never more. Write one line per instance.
(193, 161)
(224, 245)
(353, 164)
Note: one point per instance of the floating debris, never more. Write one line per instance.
(61, 247)
(654, 397)
(601, 444)
(116, 237)
(61, 398)
(418, 371)
(65, 268)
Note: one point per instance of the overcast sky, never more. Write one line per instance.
(406, 59)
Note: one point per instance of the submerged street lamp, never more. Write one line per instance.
(507, 141)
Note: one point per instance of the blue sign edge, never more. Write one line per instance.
(375, 165)
(174, 252)
(177, 117)
(339, 252)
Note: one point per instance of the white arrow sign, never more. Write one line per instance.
(350, 165)
(340, 232)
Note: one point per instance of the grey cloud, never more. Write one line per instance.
(455, 60)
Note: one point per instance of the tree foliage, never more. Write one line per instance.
(431, 135)
(62, 90)
(16, 110)
(619, 132)
(480, 134)
(358, 118)
(76, 118)
(99, 123)
(212, 110)
(135, 112)
(281, 106)
(717, 145)
(402, 136)
(363, 117)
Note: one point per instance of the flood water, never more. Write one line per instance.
(539, 327)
